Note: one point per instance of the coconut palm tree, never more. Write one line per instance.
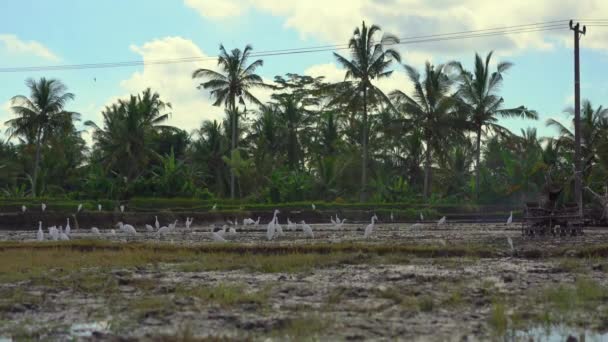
(208, 151)
(594, 128)
(40, 115)
(370, 60)
(125, 141)
(478, 95)
(431, 109)
(232, 85)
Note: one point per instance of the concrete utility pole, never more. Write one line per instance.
(578, 176)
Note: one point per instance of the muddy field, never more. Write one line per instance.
(415, 283)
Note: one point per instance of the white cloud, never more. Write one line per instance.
(174, 83)
(333, 21)
(217, 8)
(5, 114)
(13, 45)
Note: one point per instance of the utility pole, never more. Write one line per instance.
(578, 176)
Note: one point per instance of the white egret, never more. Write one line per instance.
(270, 229)
(222, 232)
(257, 222)
(54, 233)
(122, 208)
(79, 208)
(307, 230)
(23, 208)
(149, 228)
(63, 236)
(314, 207)
(163, 230)
(510, 219)
(290, 225)
(40, 234)
(370, 227)
(214, 206)
(510, 242)
(332, 220)
(421, 217)
(156, 223)
(99, 207)
(441, 221)
(230, 222)
(232, 232)
(278, 227)
(68, 230)
(112, 232)
(95, 230)
(189, 222)
(43, 206)
(126, 228)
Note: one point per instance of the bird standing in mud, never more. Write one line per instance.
(127, 228)
(370, 227)
(441, 221)
(510, 219)
(40, 234)
(307, 230)
(270, 229)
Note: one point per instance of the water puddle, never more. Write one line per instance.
(557, 334)
(87, 329)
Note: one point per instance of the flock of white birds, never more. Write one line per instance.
(273, 228)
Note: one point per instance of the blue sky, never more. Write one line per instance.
(75, 32)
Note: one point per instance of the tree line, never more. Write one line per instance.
(314, 140)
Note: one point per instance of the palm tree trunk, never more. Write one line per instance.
(234, 123)
(36, 161)
(427, 171)
(363, 196)
(477, 159)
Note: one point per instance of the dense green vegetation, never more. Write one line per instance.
(313, 141)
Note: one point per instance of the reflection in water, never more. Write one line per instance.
(556, 333)
(87, 329)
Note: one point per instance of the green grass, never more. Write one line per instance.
(9, 297)
(308, 327)
(498, 318)
(225, 294)
(144, 306)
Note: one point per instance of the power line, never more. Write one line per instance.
(497, 31)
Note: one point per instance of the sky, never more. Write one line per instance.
(65, 32)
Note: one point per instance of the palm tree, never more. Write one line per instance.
(479, 98)
(594, 128)
(430, 108)
(125, 141)
(233, 85)
(370, 60)
(40, 115)
(209, 149)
